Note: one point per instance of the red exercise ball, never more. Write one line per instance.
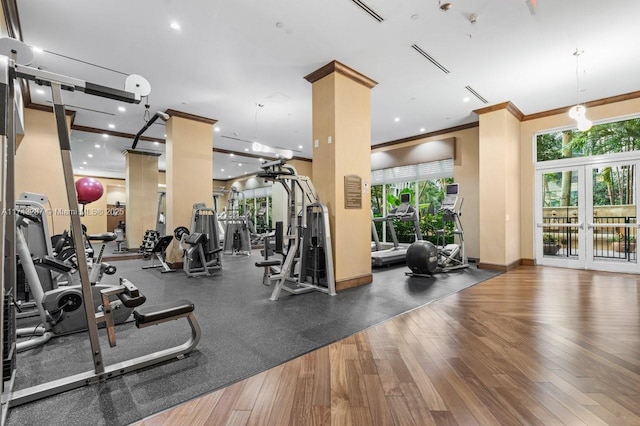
(89, 190)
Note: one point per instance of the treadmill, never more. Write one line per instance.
(398, 253)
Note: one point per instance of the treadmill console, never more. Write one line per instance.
(405, 205)
(451, 196)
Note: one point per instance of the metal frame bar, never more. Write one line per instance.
(9, 71)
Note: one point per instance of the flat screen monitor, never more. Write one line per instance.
(405, 198)
(452, 189)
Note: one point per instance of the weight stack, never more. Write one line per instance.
(9, 345)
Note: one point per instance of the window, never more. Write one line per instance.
(601, 139)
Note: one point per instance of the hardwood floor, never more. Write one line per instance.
(532, 346)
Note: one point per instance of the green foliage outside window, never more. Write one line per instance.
(612, 185)
(430, 194)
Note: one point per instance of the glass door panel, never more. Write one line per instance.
(560, 207)
(613, 220)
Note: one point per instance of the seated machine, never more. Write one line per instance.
(201, 246)
(159, 251)
(237, 233)
(308, 260)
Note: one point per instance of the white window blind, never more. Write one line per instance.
(424, 171)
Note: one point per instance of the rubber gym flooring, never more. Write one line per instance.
(243, 333)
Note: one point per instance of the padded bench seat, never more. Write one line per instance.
(106, 237)
(163, 312)
(266, 263)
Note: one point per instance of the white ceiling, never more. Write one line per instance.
(230, 56)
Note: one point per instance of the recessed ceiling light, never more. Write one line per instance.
(466, 99)
(81, 168)
(231, 155)
(112, 126)
(229, 177)
(97, 145)
(90, 155)
(396, 119)
(40, 91)
(121, 109)
(165, 135)
(216, 129)
(175, 25)
(299, 146)
(104, 135)
(260, 159)
(222, 170)
(239, 164)
(156, 143)
(37, 49)
(246, 149)
(84, 162)
(422, 129)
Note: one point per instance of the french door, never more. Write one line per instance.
(586, 216)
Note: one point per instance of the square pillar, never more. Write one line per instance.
(189, 148)
(142, 194)
(341, 99)
(499, 186)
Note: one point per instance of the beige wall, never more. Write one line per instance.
(95, 217)
(528, 130)
(39, 165)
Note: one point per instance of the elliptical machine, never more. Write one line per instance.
(425, 258)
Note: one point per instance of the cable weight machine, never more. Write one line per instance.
(13, 54)
(308, 261)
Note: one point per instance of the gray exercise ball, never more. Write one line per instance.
(422, 257)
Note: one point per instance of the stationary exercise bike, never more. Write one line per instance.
(425, 258)
(60, 307)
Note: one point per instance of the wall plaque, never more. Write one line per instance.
(352, 192)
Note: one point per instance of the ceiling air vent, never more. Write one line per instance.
(476, 94)
(430, 59)
(362, 5)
